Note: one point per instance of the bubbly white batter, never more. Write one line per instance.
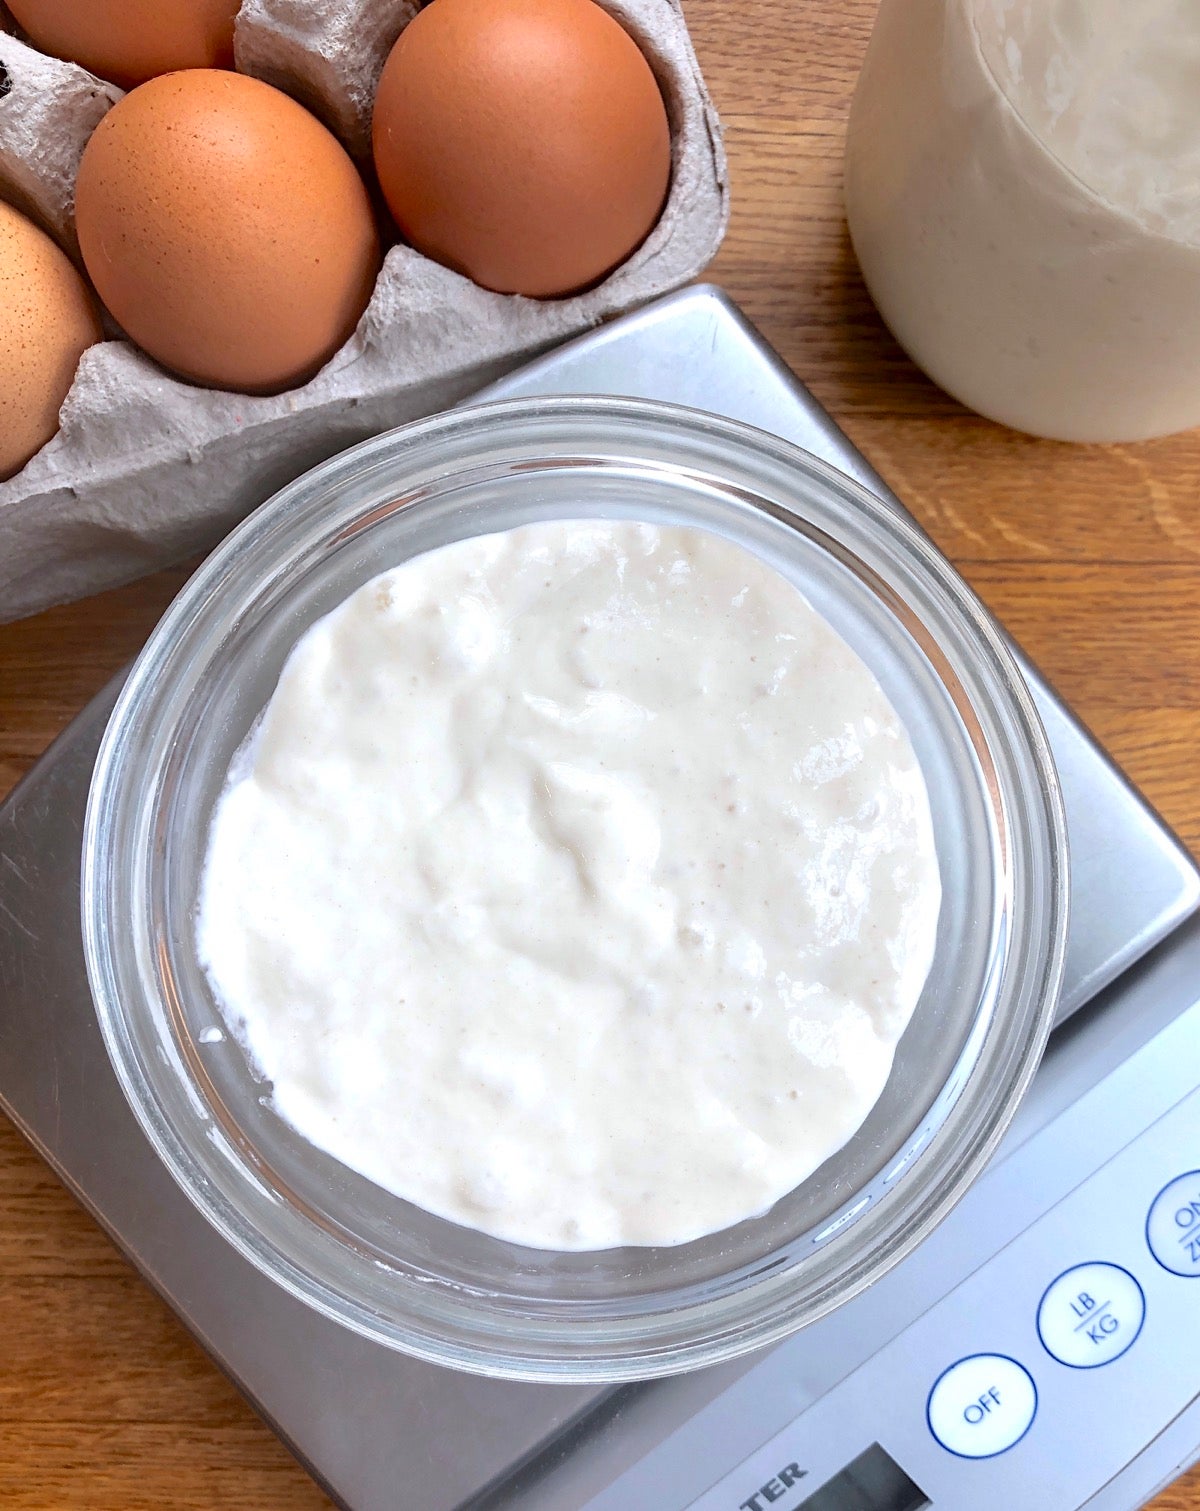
(576, 885)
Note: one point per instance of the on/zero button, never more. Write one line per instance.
(1173, 1226)
(982, 1405)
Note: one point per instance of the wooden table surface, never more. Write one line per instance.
(1090, 555)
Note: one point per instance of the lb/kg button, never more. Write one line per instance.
(1091, 1315)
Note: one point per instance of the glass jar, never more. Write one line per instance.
(415, 1281)
(1021, 190)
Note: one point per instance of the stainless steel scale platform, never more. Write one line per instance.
(1040, 1352)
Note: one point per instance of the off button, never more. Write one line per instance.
(982, 1406)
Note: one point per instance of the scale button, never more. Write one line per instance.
(1090, 1315)
(982, 1405)
(1173, 1226)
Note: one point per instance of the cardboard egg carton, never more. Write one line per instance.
(148, 469)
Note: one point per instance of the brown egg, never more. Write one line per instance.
(226, 229)
(129, 41)
(523, 142)
(47, 321)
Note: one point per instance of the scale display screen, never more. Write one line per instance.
(874, 1481)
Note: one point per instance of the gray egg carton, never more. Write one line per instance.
(148, 469)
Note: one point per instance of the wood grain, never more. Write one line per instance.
(1091, 555)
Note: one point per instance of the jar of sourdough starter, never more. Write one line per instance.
(1023, 193)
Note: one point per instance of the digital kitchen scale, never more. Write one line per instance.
(1040, 1352)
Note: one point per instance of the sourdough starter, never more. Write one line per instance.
(1022, 191)
(576, 884)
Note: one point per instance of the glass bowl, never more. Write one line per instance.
(390, 1270)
